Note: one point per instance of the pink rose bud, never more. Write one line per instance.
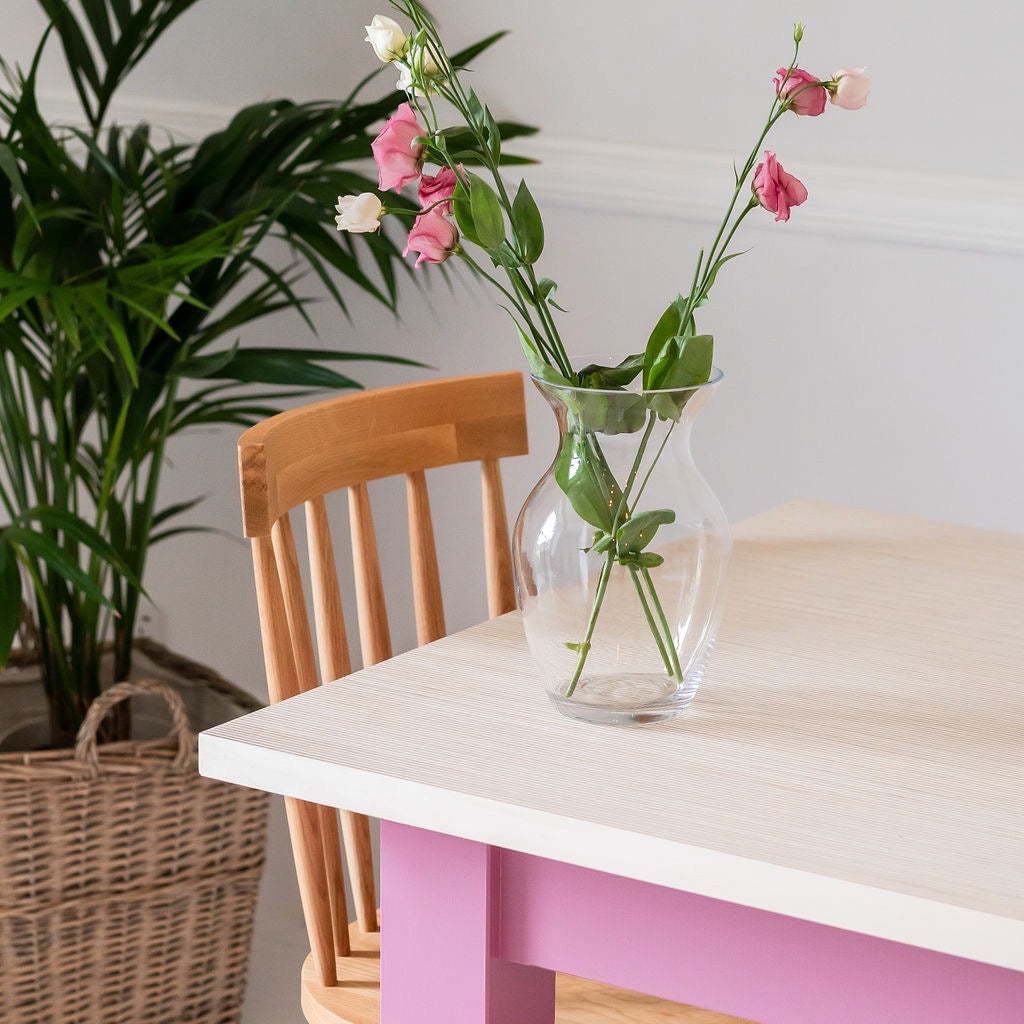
(776, 190)
(437, 188)
(433, 237)
(851, 88)
(398, 160)
(801, 91)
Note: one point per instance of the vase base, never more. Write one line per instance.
(625, 700)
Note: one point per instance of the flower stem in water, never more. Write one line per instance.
(584, 647)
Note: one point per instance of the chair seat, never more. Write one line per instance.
(356, 997)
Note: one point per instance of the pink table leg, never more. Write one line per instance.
(439, 902)
(474, 933)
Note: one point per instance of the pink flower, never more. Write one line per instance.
(801, 91)
(851, 88)
(433, 237)
(399, 160)
(437, 188)
(776, 190)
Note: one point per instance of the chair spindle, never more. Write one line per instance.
(335, 663)
(426, 579)
(374, 635)
(497, 552)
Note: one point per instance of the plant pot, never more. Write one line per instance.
(620, 554)
(127, 881)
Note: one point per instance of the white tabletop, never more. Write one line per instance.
(854, 756)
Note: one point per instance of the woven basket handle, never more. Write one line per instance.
(185, 758)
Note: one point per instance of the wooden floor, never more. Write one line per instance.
(356, 997)
(588, 1002)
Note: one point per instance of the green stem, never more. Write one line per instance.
(140, 530)
(778, 108)
(654, 462)
(621, 510)
(602, 586)
(543, 340)
(675, 669)
(671, 661)
(652, 419)
(451, 90)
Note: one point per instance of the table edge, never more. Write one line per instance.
(853, 906)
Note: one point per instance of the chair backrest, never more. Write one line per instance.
(298, 457)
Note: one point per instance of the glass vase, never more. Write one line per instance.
(620, 555)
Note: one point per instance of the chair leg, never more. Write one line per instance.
(307, 848)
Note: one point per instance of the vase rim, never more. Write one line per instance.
(715, 378)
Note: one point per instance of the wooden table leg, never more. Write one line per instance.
(440, 898)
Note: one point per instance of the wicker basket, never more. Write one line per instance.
(127, 881)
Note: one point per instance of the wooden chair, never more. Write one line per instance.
(297, 458)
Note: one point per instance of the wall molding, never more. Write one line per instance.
(875, 204)
(883, 205)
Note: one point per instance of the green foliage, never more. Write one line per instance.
(527, 225)
(587, 481)
(129, 265)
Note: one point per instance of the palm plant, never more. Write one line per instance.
(128, 264)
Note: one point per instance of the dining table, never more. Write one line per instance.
(831, 833)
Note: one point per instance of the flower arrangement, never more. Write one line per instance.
(497, 230)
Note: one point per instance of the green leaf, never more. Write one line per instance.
(703, 297)
(638, 531)
(9, 166)
(463, 210)
(669, 326)
(514, 130)
(539, 366)
(546, 288)
(594, 375)
(486, 208)
(10, 599)
(527, 225)
(586, 481)
(580, 648)
(282, 366)
(598, 413)
(463, 57)
(67, 523)
(475, 109)
(156, 537)
(644, 560)
(493, 135)
(38, 545)
(505, 256)
(685, 363)
(294, 367)
(199, 367)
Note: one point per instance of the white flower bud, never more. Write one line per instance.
(358, 214)
(851, 89)
(417, 71)
(387, 38)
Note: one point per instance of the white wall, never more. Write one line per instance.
(871, 346)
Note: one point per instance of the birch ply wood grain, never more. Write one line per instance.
(854, 756)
